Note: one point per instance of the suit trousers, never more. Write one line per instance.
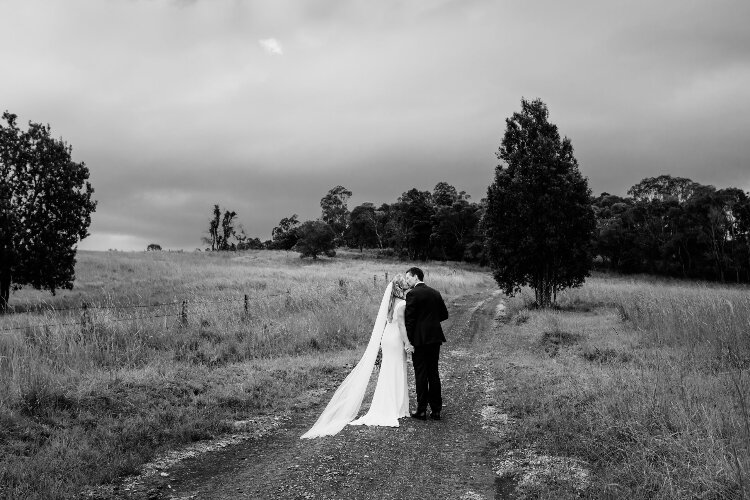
(427, 378)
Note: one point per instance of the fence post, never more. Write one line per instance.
(386, 276)
(246, 305)
(183, 313)
(85, 318)
(375, 280)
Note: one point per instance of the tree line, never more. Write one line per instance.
(539, 225)
(442, 224)
(675, 227)
(670, 226)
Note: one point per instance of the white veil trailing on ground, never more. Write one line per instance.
(347, 399)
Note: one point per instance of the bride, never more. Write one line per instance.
(391, 398)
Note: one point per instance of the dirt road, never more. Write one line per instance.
(448, 459)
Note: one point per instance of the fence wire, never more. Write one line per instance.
(182, 304)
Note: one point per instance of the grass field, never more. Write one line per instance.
(86, 397)
(645, 381)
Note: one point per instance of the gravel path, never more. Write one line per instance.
(451, 458)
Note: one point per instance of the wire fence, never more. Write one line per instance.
(182, 311)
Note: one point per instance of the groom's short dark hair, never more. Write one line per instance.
(415, 271)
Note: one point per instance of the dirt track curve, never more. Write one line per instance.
(447, 459)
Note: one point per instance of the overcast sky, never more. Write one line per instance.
(263, 106)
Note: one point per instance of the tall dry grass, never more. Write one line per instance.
(86, 401)
(712, 322)
(646, 380)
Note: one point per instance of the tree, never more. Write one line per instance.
(363, 227)
(676, 227)
(221, 229)
(251, 244)
(539, 221)
(45, 209)
(454, 224)
(153, 247)
(475, 249)
(245, 242)
(380, 219)
(285, 235)
(611, 240)
(742, 215)
(444, 194)
(663, 188)
(315, 238)
(454, 228)
(335, 212)
(413, 217)
(227, 230)
(715, 217)
(213, 229)
(241, 236)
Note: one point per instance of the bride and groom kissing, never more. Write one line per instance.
(408, 322)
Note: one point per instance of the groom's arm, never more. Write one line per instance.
(410, 316)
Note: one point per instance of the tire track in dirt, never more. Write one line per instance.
(451, 458)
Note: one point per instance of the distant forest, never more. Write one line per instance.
(665, 225)
(673, 226)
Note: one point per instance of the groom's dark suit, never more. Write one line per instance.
(425, 310)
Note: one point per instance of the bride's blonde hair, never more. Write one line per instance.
(399, 289)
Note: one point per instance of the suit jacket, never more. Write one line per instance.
(425, 310)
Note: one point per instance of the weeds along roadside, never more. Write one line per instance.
(646, 382)
(83, 405)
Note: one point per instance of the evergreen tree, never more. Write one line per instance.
(539, 220)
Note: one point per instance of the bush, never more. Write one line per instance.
(316, 238)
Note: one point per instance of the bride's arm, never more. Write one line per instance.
(400, 321)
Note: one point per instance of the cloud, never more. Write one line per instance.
(272, 46)
(173, 107)
(163, 198)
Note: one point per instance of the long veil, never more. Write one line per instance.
(347, 399)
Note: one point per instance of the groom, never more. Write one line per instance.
(425, 310)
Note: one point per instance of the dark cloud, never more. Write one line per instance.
(176, 105)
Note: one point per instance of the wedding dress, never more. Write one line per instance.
(391, 398)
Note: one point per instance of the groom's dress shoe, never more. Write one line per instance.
(420, 415)
(435, 415)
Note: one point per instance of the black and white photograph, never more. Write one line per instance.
(345, 249)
